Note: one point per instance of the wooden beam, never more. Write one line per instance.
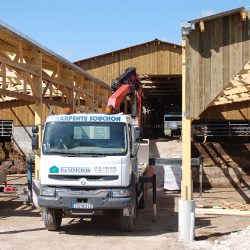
(30, 81)
(202, 26)
(17, 95)
(18, 66)
(143, 82)
(56, 103)
(89, 94)
(21, 52)
(50, 91)
(56, 81)
(81, 109)
(45, 89)
(243, 15)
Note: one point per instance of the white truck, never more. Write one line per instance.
(91, 163)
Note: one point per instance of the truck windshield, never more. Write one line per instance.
(106, 138)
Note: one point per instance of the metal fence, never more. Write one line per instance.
(6, 128)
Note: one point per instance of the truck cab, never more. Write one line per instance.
(88, 166)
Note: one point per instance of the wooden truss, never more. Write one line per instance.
(30, 74)
(238, 90)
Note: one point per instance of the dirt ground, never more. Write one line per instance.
(21, 226)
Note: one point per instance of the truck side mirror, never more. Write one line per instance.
(35, 129)
(137, 133)
(34, 141)
(34, 138)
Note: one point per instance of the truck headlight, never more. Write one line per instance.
(48, 192)
(121, 193)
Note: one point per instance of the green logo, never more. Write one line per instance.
(54, 170)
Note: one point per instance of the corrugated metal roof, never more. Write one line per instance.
(155, 40)
(20, 36)
(222, 14)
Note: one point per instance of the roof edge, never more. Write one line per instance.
(218, 15)
(155, 40)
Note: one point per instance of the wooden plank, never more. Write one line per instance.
(216, 58)
(232, 46)
(201, 93)
(246, 40)
(186, 78)
(8, 38)
(238, 45)
(195, 74)
(225, 51)
(215, 211)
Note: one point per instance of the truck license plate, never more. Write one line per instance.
(82, 206)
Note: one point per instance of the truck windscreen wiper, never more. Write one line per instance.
(93, 154)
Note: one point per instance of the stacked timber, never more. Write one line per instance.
(12, 161)
(235, 205)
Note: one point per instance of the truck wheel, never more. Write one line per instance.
(128, 222)
(52, 218)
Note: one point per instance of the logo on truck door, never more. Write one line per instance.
(54, 170)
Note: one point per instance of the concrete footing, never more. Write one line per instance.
(186, 222)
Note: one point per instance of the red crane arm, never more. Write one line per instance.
(127, 83)
(117, 98)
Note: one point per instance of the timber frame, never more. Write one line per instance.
(31, 72)
(218, 63)
(36, 76)
(215, 75)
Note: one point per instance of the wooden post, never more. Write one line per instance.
(186, 215)
(37, 80)
(187, 193)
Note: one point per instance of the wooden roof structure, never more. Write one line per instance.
(31, 73)
(218, 66)
(157, 62)
(215, 75)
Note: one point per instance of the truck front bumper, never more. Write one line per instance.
(84, 199)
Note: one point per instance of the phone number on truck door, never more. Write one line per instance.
(104, 170)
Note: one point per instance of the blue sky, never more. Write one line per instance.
(78, 29)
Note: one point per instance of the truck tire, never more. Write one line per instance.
(128, 222)
(52, 218)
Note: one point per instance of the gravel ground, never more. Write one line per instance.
(21, 227)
